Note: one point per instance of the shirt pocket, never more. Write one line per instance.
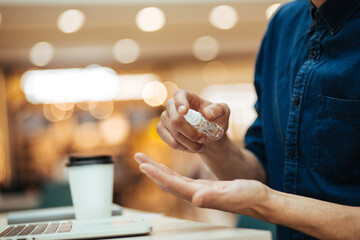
(336, 148)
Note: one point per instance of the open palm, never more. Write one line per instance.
(237, 196)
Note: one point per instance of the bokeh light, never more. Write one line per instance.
(126, 51)
(70, 85)
(206, 48)
(150, 19)
(41, 54)
(86, 136)
(60, 114)
(65, 106)
(102, 110)
(223, 17)
(86, 106)
(57, 113)
(171, 88)
(54, 114)
(269, 12)
(115, 130)
(71, 21)
(131, 85)
(215, 72)
(47, 113)
(154, 93)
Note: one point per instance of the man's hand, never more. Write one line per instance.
(320, 219)
(174, 130)
(238, 196)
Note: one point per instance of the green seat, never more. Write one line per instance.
(254, 223)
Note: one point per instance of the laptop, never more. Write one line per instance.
(50, 214)
(115, 226)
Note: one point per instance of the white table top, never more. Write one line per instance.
(168, 228)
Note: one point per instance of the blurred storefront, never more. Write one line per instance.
(92, 77)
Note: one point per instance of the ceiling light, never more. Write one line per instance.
(86, 136)
(223, 17)
(102, 110)
(171, 88)
(269, 12)
(86, 106)
(71, 21)
(150, 19)
(154, 93)
(70, 85)
(84, 86)
(55, 114)
(126, 51)
(131, 85)
(115, 130)
(41, 54)
(206, 48)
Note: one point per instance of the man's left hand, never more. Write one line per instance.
(237, 196)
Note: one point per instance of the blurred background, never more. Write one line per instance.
(92, 77)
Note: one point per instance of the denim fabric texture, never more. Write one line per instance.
(307, 79)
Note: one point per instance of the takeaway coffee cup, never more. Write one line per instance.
(91, 185)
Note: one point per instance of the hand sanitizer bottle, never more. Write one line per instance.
(198, 121)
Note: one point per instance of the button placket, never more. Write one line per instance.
(296, 101)
(291, 158)
(314, 54)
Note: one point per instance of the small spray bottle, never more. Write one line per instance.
(198, 121)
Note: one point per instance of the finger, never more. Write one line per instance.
(215, 111)
(181, 130)
(181, 101)
(142, 158)
(168, 138)
(177, 132)
(184, 100)
(150, 171)
(181, 140)
(171, 109)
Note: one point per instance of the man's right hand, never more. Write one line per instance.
(178, 133)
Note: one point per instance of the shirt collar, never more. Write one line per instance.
(334, 13)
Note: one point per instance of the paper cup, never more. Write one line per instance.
(91, 181)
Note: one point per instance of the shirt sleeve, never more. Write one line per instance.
(254, 137)
(254, 140)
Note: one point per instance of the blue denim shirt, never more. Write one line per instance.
(307, 78)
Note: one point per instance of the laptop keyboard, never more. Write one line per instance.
(33, 229)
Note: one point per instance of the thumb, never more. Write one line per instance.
(215, 111)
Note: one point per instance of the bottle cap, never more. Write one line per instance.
(193, 117)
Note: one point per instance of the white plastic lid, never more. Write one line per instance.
(193, 117)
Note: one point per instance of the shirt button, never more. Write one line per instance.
(314, 54)
(296, 101)
(291, 154)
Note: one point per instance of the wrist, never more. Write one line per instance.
(214, 147)
(265, 209)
